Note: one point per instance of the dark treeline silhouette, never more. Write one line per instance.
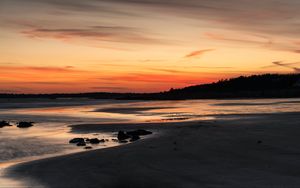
(255, 86)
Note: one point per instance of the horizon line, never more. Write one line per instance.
(105, 92)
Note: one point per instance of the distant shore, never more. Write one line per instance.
(236, 151)
(242, 87)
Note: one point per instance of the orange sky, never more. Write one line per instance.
(52, 46)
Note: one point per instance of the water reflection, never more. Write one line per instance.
(52, 118)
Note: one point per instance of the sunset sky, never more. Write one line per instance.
(59, 46)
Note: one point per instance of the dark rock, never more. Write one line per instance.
(24, 124)
(4, 124)
(81, 144)
(139, 132)
(133, 135)
(134, 138)
(123, 141)
(122, 135)
(76, 140)
(88, 147)
(115, 140)
(96, 140)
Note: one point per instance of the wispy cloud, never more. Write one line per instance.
(198, 53)
(248, 39)
(286, 65)
(95, 33)
(173, 71)
(268, 18)
(39, 69)
(8, 63)
(46, 83)
(176, 71)
(252, 39)
(167, 78)
(297, 51)
(38, 74)
(8, 91)
(109, 88)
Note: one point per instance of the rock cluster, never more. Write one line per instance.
(4, 124)
(123, 137)
(21, 124)
(85, 141)
(132, 135)
(24, 124)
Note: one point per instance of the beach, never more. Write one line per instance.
(196, 143)
(240, 151)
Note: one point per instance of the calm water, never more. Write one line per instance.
(51, 133)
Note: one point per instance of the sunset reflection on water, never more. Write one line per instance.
(51, 132)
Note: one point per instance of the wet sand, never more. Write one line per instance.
(238, 151)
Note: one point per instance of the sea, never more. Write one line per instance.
(52, 119)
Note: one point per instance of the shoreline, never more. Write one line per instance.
(14, 179)
(7, 165)
(254, 151)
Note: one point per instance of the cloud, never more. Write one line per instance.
(167, 78)
(172, 71)
(272, 19)
(248, 39)
(95, 33)
(186, 72)
(110, 88)
(45, 79)
(270, 23)
(253, 39)
(198, 53)
(262, 16)
(297, 51)
(65, 6)
(5, 91)
(8, 63)
(286, 65)
(265, 16)
(39, 74)
(46, 83)
(39, 69)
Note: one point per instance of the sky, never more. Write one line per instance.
(67, 46)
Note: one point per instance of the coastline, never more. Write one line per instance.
(254, 151)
